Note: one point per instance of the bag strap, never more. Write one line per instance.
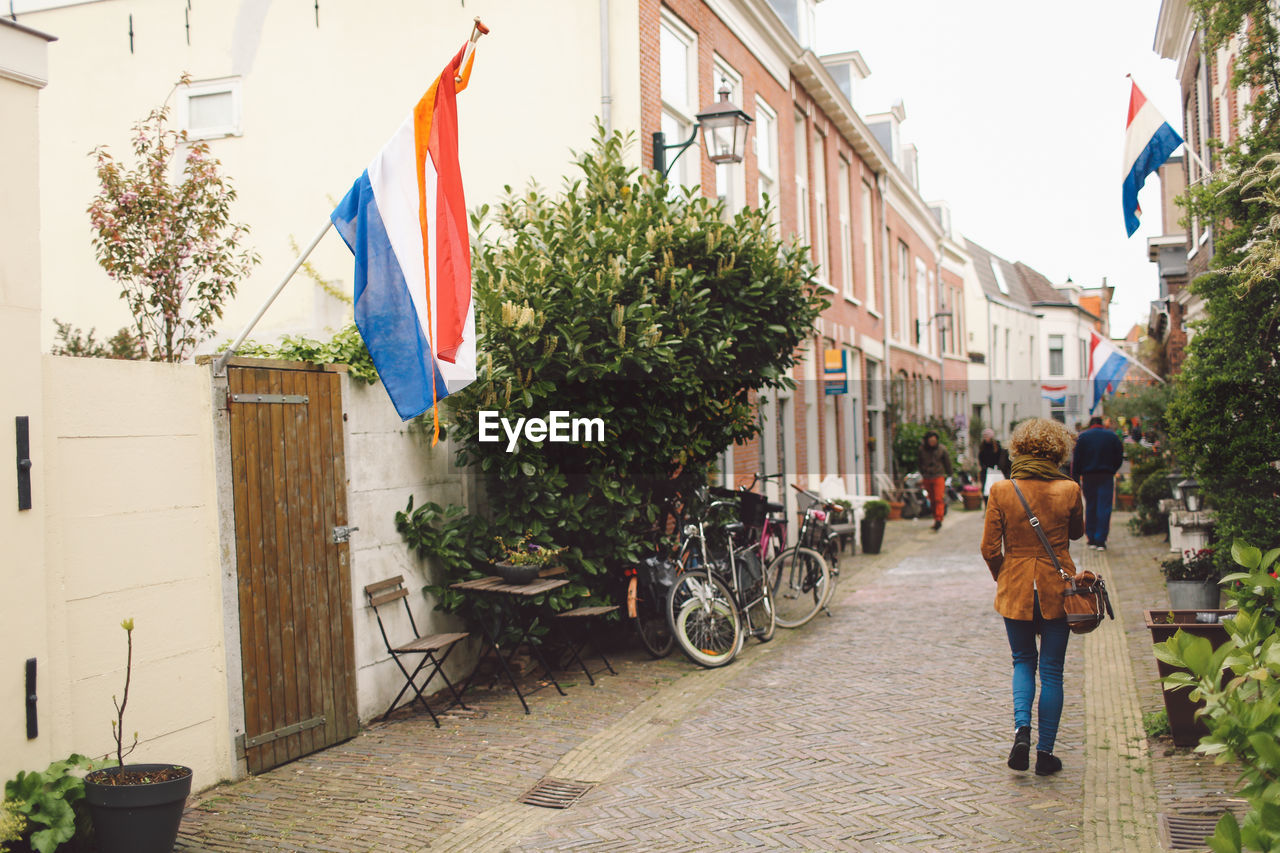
(1035, 525)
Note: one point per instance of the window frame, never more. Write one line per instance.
(204, 88)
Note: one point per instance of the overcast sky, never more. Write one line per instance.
(1018, 110)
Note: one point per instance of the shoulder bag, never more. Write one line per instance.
(1084, 597)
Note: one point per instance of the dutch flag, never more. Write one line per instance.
(1148, 142)
(1107, 367)
(405, 220)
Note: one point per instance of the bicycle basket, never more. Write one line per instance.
(751, 509)
(657, 572)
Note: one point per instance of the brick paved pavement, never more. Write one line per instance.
(883, 727)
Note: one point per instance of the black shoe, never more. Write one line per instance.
(1018, 756)
(937, 525)
(1046, 763)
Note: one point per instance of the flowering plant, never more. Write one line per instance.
(527, 553)
(170, 245)
(1191, 566)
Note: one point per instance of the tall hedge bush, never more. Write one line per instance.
(630, 300)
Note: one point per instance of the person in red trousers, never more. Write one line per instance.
(934, 462)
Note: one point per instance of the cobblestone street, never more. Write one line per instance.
(882, 727)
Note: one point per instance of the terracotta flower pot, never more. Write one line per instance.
(1124, 501)
(972, 500)
(895, 510)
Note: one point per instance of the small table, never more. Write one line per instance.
(513, 593)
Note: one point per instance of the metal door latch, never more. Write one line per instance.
(342, 533)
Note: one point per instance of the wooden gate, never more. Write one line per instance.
(293, 564)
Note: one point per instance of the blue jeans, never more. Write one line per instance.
(1098, 490)
(1052, 653)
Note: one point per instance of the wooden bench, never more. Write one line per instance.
(392, 589)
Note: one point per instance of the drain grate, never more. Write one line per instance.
(1185, 831)
(555, 793)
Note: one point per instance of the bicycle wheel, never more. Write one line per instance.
(759, 612)
(799, 580)
(704, 619)
(650, 621)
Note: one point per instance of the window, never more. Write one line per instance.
(995, 340)
(1084, 359)
(730, 177)
(921, 333)
(868, 248)
(766, 142)
(210, 109)
(999, 274)
(821, 225)
(903, 297)
(846, 232)
(678, 71)
(1008, 363)
(802, 181)
(1056, 367)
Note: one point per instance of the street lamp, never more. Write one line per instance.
(724, 134)
(1190, 494)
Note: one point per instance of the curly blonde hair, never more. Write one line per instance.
(1043, 439)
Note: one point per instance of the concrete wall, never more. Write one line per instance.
(387, 461)
(132, 531)
(22, 615)
(319, 101)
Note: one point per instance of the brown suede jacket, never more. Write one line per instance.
(1013, 552)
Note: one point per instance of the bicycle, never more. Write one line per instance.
(799, 577)
(647, 587)
(720, 596)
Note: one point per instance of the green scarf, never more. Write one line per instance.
(1035, 468)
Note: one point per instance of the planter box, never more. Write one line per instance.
(1124, 501)
(1183, 725)
(972, 500)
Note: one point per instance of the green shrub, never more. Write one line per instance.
(876, 509)
(345, 347)
(648, 307)
(1243, 716)
(907, 438)
(48, 804)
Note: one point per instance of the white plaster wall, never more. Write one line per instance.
(318, 103)
(132, 531)
(23, 626)
(387, 461)
(1073, 327)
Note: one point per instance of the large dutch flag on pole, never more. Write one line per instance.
(1107, 367)
(405, 221)
(1148, 142)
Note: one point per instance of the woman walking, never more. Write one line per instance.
(1028, 587)
(991, 455)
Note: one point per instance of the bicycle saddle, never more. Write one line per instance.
(770, 506)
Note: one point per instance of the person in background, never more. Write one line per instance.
(992, 455)
(1098, 456)
(934, 461)
(1028, 587)
(1135, 429)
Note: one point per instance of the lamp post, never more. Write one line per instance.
(724, 134)
(1190, 490)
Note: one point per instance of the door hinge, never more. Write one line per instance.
(243, 742)
(342, 533)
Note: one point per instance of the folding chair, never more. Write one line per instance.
(575, 644)
(387, 591)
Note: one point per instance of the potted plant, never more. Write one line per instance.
(522, 562)
(1192, 580)
(972, 496)
(841, 511)
(1184, 725)
(135, 808)
(871, 528)
(1124, 493)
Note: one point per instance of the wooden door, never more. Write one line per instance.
(294, 579)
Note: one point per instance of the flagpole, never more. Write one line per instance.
(220, 365)
(1153, 375)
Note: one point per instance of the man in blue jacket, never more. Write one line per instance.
(1094, 463)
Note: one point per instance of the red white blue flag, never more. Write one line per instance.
(1107, 367)
(1148, 142)
(405, 220)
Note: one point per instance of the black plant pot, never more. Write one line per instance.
(137, 818)
(871, 532)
